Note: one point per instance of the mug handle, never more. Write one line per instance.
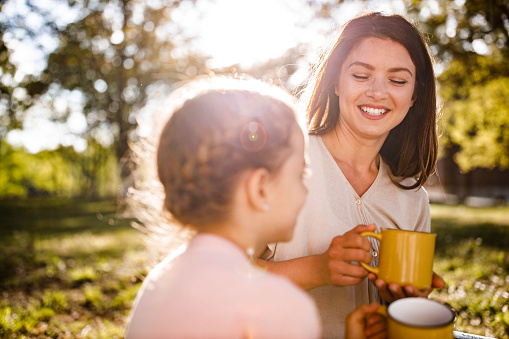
(382, 310)
(376, 236)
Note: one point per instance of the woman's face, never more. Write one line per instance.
(375, 88)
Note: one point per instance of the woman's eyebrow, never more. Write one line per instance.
(400, 69)
(362, 64)
(370, 67)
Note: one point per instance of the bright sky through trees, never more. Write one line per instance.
(243, 32)
(248, 31)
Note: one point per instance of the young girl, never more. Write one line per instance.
(231, 161)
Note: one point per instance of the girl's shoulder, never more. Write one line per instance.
(287, 306)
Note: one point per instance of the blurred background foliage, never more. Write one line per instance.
(62, 172)
(71, 265)
(114, 57)
(471, 40)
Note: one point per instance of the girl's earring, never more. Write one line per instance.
(265, 207)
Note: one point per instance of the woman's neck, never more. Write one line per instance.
(360, 154)
(358, 159)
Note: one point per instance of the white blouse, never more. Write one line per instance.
(333, 208)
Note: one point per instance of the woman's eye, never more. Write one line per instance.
(399, 82)
(360, 76)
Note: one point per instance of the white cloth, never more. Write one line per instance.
(332, 208)
(213, 291)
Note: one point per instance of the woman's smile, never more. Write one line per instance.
(375, 87)
(372, 112)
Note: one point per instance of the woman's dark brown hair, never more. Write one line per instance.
(411, 148)
(224, 127)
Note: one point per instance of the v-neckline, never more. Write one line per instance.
(340, 172)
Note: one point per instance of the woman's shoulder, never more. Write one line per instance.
(314, 141)
(389, 187)
(317, 152)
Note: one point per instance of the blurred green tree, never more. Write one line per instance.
(470, 40)
(117, 54)
(62, 172)
(7, 71)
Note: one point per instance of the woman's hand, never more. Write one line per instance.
(337, 267)
(365, 323)
(394, 292)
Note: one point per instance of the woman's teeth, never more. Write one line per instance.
(374, 111)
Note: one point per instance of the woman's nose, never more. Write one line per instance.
(377, 89)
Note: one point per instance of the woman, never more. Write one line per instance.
(371, 111)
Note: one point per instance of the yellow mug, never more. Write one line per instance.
(418, 318)
(406, 257)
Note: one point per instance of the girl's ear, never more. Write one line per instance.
(258, 189)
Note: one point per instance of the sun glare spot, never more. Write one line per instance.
(247, 32)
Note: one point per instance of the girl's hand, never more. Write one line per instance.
(394, 292)
(365, 323)
(337, 267)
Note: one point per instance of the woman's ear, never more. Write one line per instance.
(336, 83)
(414, 98)
(258, 189)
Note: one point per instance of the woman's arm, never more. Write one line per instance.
(306, 272)
(333, 267)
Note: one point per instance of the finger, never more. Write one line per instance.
(338, 279)
(381, 285)
(374, 319)
(372, 277)
(375, 324)
(346, 268)
(359, 314)
(344, 280)
(397, 291)
(387, 296)
(362, 228)
(357, 241)
(376, 329)
(438, 282)
(350, 241)
(355, 322)
(380, 335)
(384, 291)
(412, 291)
(350, 254)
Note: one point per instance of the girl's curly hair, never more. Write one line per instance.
(213, 130)
(224, 129)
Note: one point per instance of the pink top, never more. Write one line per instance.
(212, 291)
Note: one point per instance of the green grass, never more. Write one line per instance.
(472, 255)
(67, 269)
(71, 269)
